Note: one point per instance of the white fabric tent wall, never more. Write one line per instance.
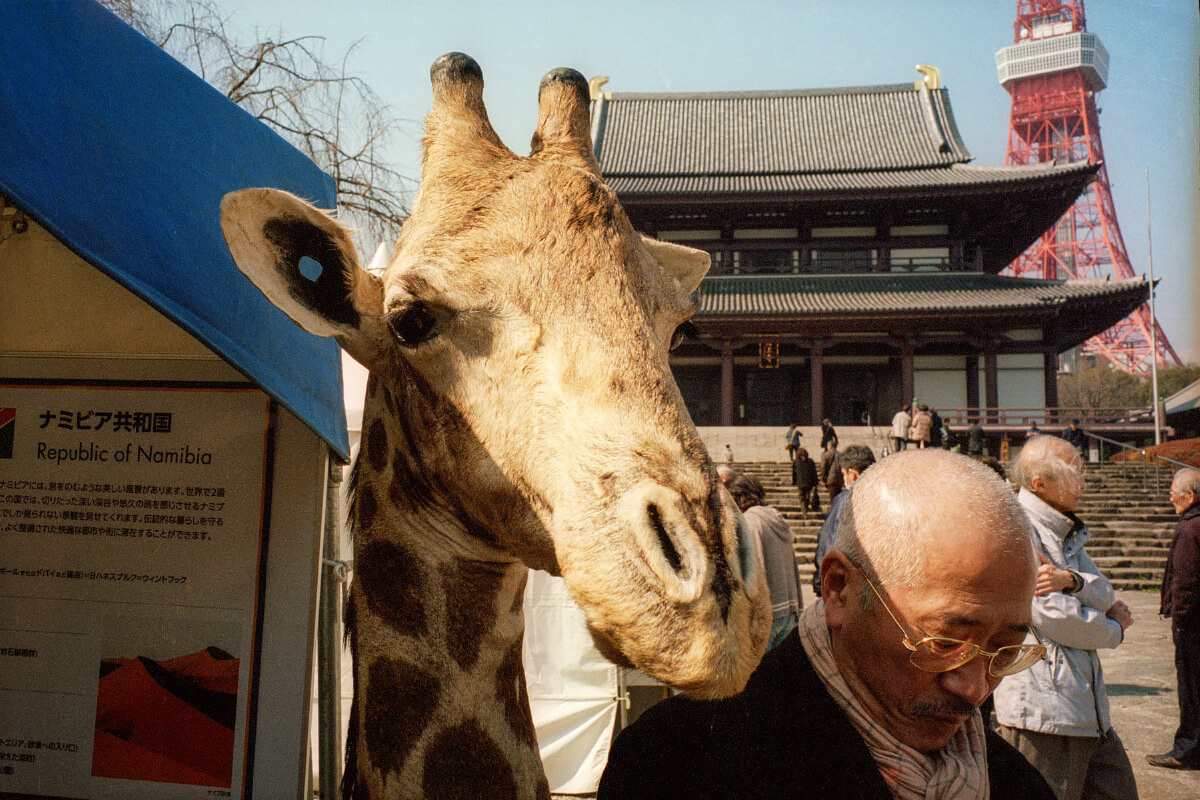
(572, 688)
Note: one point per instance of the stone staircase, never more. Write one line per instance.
(1128, 513)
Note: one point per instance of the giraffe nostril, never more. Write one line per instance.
(664, 539)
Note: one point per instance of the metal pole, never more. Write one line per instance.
(329, 642)
(1153, 323)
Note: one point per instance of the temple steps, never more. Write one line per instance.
(1127, 512)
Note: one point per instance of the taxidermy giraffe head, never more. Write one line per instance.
(521, 409)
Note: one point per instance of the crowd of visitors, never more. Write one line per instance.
(925, 605)
(935, 578)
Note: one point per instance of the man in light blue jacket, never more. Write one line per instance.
(1056, 713)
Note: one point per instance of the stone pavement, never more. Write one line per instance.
(1140, 676)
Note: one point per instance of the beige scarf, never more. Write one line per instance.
(958, 770)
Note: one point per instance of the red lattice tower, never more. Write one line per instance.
(1053, 70)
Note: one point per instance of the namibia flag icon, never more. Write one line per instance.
(8, 425)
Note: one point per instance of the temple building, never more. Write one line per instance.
(855, 252)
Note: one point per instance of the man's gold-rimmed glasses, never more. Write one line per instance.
(942, 653)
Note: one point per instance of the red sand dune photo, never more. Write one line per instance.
(170, 721)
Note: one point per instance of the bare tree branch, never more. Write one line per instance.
(332, 116)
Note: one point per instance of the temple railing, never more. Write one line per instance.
(1056, 417)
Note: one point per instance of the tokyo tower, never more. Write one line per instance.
(1052, 71)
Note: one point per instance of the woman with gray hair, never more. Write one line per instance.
(771, 531)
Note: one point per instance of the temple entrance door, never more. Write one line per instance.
(769, 396)
(851, 394)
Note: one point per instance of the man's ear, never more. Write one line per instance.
(306, 265)
(835, 587)
(686, 265)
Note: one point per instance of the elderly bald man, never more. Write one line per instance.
(1057, 713)
(925, 607)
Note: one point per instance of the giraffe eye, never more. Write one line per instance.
(685, 331)
(413, 324)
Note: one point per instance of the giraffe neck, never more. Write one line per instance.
(443, 707)
(440, 705)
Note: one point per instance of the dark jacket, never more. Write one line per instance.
(1075, 437)
(828, 434)
(783, 737)
(1181, 580)
(831, 471)
(975, 439)
(825, 536)
(804, 473)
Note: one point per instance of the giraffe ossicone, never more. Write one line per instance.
(520, 412)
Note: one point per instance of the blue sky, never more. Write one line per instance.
(1148, 112)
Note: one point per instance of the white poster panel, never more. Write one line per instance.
(131, 546)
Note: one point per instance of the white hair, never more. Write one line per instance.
(881, 527)
(1049, 458)
(1187, 480)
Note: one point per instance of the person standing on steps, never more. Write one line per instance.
(831, 473)
(900, 424)
(804, 478)
(1056, 713)
(828, 434)
(922, 425)
(852, 463)
(794, 434)
(1181, 603)
(774, 538)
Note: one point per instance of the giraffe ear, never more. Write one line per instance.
(685, 264)
(305, 263)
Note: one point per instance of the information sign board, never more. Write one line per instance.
(132, 561)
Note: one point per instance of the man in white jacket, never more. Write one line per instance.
(1056, 713)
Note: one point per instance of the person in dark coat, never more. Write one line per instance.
(828, 434)
(840, 708)
(1075, 435)
(831, 471)
(853, 461)
(804, 478)
(975, 437)
(1181, 603)
(935, 428)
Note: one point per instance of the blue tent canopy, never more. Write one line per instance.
(124, 155)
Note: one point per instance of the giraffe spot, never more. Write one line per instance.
(393, 583)
(365, 507)
(471, 590)
(512, 694)
(377, 446)
(464, 763)
(400, 701)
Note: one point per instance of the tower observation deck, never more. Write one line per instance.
(1052, 71)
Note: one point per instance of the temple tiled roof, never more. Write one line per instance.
(896, 293)
(956, 175)
(897, 136)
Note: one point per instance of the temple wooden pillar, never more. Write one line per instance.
(906, 371)
(816, 364)
(1050, 376)
(973, 380)
(991, 383)
(727, 382)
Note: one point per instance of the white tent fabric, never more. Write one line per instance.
(572, 688)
